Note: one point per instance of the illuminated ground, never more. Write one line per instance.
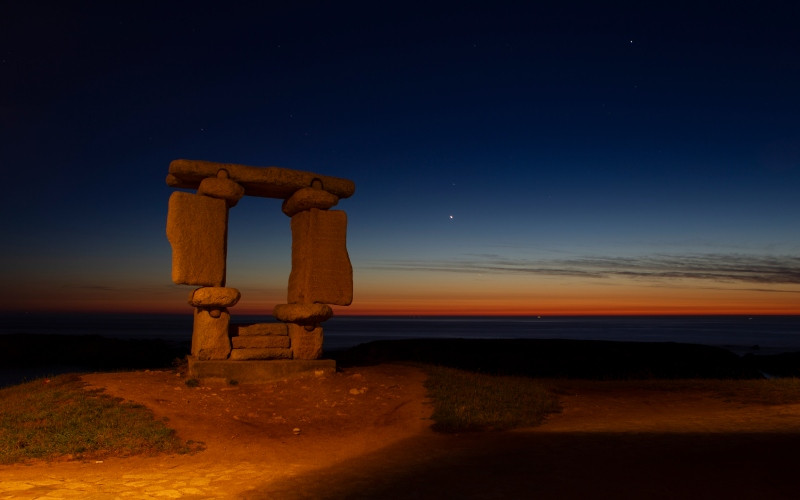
(364, 433)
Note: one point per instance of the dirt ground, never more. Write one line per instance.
(364, 433)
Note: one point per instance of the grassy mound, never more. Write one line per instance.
(58, 417)
(467, 401)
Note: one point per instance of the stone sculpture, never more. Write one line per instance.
(197, 227)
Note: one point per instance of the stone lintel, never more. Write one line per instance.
(267, 182)
(255, 372)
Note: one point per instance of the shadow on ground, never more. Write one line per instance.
(558, 465)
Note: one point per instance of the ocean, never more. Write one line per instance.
(740, 334)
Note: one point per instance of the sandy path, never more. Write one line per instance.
(247, 431)
(364, 434)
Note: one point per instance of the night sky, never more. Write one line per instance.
(509, 157)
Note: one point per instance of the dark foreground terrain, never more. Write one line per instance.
(29, 356)
(365, 432)
(24, 357)
(580, 359)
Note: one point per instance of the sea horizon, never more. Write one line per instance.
(764, 334)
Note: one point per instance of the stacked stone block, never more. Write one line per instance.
(321, 270)
(260, 341)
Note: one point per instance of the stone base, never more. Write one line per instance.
(258, 371)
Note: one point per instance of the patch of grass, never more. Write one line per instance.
(58, 417)
(468, 401)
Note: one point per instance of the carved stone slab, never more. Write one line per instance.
(197, 229)
(321, 269)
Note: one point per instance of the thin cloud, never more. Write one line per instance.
(724, 268)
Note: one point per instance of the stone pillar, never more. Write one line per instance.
(306, 341)
(197, 229)
(303, 322)
(304, 331)
(210, 338)
(321, 270)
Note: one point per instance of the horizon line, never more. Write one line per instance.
(422, 314)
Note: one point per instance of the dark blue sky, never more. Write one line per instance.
(574, 144)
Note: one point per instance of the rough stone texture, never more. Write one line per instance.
(321, 269)
(305, 344)
(225, 189)
(254, 372)
(197, 228)
(259, 329)
(302, 313)
(210, 335)
(308, 198)
(269, 182)
(260, 342)
(214, 296)
(274, 353)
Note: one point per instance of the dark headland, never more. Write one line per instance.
(26, 356)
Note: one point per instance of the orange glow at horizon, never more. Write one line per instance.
(452, 309)
(522, 296)
(566, 308)
(455, 296)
